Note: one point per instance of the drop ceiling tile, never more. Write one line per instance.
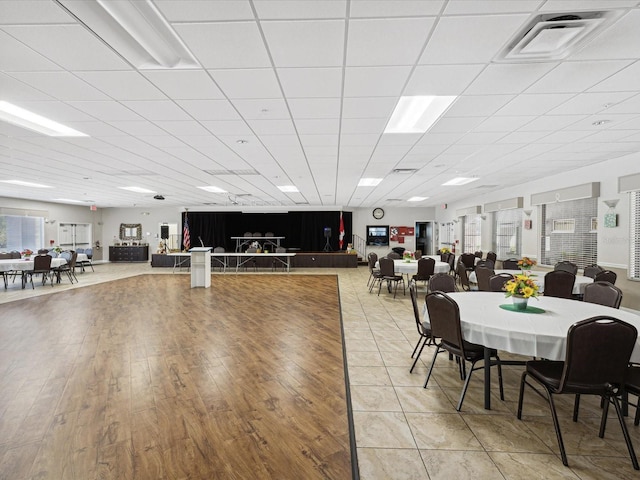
(374, 81)
(478, 137)
(310, 43)
(436, 138)
(629, 105)
(225, 45)
(262, 109)
(311, 82)
(590, 103)
(504, 123)
(309, 108)
(95, 129)
(61, 85)
(326, 126)
(209, 109)
(478, 105)
(386, 41)
(618, 123)
(467, 7)
(184, 84)
(371, 125)
(107, 111)
(441, 79)
(372, 107)
(285, 9)
(402, 139)
(392, 8)
(359, 139)
(477, 39)
(123, 85)
(522, 137)
(16, 57)
(239, 129)
(272, 127)
(456, 124)
(249, 83)
(53, 41)
(183, 128)
(137, 128)
(533, 104)
(314, 140)
(157, 110)
(507, 78)
(31, 11)
(623, 81)
(571, 77)
(565, 137)
(199, 11)
(57, 111)
(618, 41)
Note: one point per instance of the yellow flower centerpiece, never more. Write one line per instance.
(526, 263)
(445, 250)
(521, 288)
(407, 256)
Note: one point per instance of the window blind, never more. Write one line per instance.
(471, 236)
(568, 232)
(634, 235)
(19, 233)
(507, 227)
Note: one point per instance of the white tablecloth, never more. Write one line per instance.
(411, 268)
(22, 264)
(538, 277)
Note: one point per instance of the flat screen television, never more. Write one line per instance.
(378, 235)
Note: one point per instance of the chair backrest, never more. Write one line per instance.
(478, 254)
(592, 270)
(496, 282)
(72, 262)
(218, 250)
(451, 260)
(80, 250)
(66, 255)
(281, 250)
(510, 264)
(468, 259)
(482, 276)
(42, 263)
(597, 355)
(486, 264)
(443, 283)
(88, 252)
(492, 256)
(444, 318)
(566, 266)
(426, 267)
(606, 276)
(394, 255)
(5, 256)
(559, 283)
(413, 293)
(248, 234)
(257, 234)
(42, 251)
(15, 254)
(603, 293)
(417, 254)
(372, 259)
(462, 273)
(387, 267)
(269, 234)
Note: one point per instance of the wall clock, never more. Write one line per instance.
(378, 213)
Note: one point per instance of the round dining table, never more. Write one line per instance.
(538, 278)
(541, 330)
(411, 267)
(22, 264)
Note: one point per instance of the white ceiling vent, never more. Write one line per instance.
(555, 36)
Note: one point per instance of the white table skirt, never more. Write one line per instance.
(22, 264)
(538, 335)
(411, 268)
(538, 277)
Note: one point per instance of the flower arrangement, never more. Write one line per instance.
(521, 286)
(407, 256)
(526, 263)
(58, 250)
(27, 252)
(445, 250)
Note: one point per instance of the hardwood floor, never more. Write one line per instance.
(146, 378)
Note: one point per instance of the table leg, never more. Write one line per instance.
(487, 378)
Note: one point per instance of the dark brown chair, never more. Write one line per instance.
(426, 267)
(41, 266)
(444, 318)
(482, 276)
(486, 264)
(496, 282)
(372, 259)
(69, 268)
(566, 266)
(592, 270)
(424, 330)
(606, 276)
(468, 260)
(451, 260)
(442, 282)
(632, 386)
(417, 254)
(463, 276)
(603, 293)
(492, 256)
(478, 254)
(559, 283)
(510, 264)
(394, 256)
(597, 354)
(387, 271)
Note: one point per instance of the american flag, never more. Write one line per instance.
(341, 241)
(186, 236)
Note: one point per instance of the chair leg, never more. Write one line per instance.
(424, 342)
(625, 433)
(603, 420)
(500, 385)
(417, 345)
(556, 425)
(576, 406)
(466, 385)
(636, 420)
(433, 362)
(521, 395)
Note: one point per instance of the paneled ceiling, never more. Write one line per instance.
(299, 93)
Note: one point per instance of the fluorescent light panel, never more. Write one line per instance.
(137, 189)
(288, 188)
(212, 189)
(70, 200)
(460, 181)
(416, 114)
(25, 184)
(417, 199)
(32, 121)
(369, 182)
(136, 30)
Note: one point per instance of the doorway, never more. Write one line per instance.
(424, 237)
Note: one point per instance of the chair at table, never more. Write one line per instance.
(478, 254)
(597, 354)
(424, 330)
(372, 259)
(417, 254)
(69, 268)
(606, 276)
(559, 283)
(510, 264)
(42, 251)
(603, 293)
(592, 270)
(486, 264)
(492, 256)
(496, 282)
(217, 262)
(426, 267)
(442, 282)
(451, 260)
(468, 260)
(277, 263)
(387, 271)
(482, 276)
(463, 275)
(444, 318)
(632, 386)
(394, 256)
(566, 266)
(41, 266)
(88, 262)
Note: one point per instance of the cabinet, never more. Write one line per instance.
(139, 253)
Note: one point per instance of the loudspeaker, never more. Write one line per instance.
(327, 232)
(164, 232)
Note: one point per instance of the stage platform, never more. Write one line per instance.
(300, 260)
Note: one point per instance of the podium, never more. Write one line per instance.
(200, 267)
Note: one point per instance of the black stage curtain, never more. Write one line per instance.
(302, 230)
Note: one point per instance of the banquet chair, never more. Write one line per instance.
(463, 276)
(41, 266)
(269, 234)
(492, 256)
(559, 283)
(417, 254)
(257, 234)
(597, 354)
(482, 276)
(441, 282)
(388, 274)
(252, 260)
(478, 254)
(426, 267)
(275, 263)
(42, 251)
(606, 276)
(82, 263)
(424, 330)
(632, 386)
(566, 266)
(451, 260)
(496, 282)
(486, 264)
(592, 270)
(603, 293)
(444, 318)
(372, 259)
(510, 264)
(69, 268)
(394, 256)
(468, 260)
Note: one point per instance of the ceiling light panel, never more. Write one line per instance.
(25, 184)
(212, 189)
(460, 181)
(32, 121)
(418, 113)
(137, 189)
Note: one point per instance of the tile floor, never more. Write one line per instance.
(404, 431)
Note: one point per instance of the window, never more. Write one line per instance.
(634, 221)
(573, 217)
(507, 242)
(19, 233)
(471, 233)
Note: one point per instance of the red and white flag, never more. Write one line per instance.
(186, 235)
(341, 236)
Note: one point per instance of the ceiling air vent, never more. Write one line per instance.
(554, 36)
(405, 171)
